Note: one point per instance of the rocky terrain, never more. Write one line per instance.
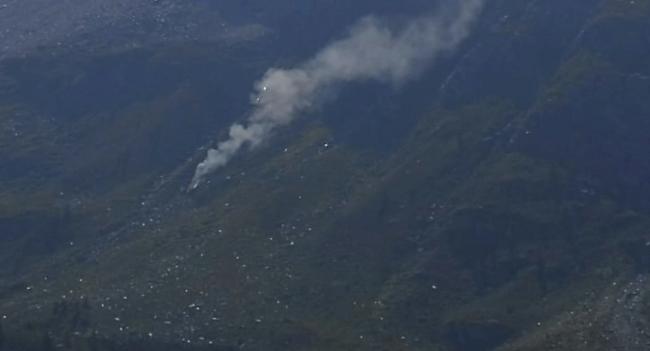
(499, 202)
(99, 25)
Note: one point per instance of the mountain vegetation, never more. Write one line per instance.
(498, 202)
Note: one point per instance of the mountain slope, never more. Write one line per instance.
(509, 213)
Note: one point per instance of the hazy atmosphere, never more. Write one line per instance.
(320, 175)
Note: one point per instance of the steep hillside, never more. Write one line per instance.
(499, 202)
(95, 25)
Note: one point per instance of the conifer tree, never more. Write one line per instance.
(2, 337)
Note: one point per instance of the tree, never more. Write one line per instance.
(2, 337)
(46, 343)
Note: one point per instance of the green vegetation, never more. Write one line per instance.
(497, 223)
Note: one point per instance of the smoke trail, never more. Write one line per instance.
(372, 51)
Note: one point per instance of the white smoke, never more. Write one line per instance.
(371, 51)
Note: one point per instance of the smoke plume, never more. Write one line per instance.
(372, 51)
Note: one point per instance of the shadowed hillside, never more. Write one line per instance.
(498, 202)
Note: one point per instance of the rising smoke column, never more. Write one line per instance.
(371, 51)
